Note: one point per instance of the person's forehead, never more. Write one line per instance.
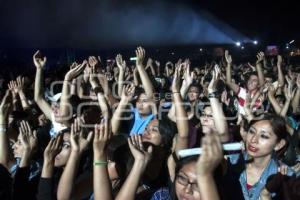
(253, 76)
(207, 109)
(154, 122)
(189, 170)
(193, 88)
(263, 125)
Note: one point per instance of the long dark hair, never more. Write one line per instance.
(278, 125)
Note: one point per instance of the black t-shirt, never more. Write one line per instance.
(5, 183)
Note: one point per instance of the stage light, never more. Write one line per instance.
(255, 42)
(291, 41)
(242, 47)
(287, 47)
(172, 53)
(201, 49)
(238, 44)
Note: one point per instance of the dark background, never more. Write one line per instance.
(104, 24)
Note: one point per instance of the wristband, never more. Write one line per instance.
(100, 163)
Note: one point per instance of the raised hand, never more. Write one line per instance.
(120, 62)
(74, 72)
(271, 90)
(298, 81)
(93, 77)
(140, 55)
(128, 92)
(93, 61)
(228, 57)
(279, 60)
(211, 155)
(102, 135)
(4, 108)
(248, 108)
(149, 63)
(39, 61)
(12, 86)
(138, 151)
(289, 93)
(28, 138)
(260, 57)
(53, 148)
(216, 73)
(78, 143)
(290, 81)
(188, 76)
(176, 79)
(20, 82)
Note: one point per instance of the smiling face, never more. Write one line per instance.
(186, 183)
(252, 83)
(63, 156)
(193, 93)
(152, 133)
(261, 140)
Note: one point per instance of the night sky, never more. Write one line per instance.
(91, 24)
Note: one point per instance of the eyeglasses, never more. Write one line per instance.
(205, 115)
(185, 182)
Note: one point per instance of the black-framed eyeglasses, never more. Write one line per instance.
(185, 182)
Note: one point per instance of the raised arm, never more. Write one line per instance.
(216, 106)
(187, 81)
(102, 185)
(46, 188)
(52, 150)
(121, 65)
(4, 143)
(39, 98)
(296, 100)
(141, 159)
(272, 99)
(289, 93)
(181, 116)
(208, 161)
(78, 145)
(100, 96)
(127, 95)
(181, 119)
(148, 87)
(280, 73)
(260, 58)
(65, 108)
(233, 86)
(12, 86)
(20, 85)
(29, 142)
(188, 78)
(150, 65)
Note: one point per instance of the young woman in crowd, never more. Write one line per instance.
(147, 166)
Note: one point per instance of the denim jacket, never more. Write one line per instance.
(254, 192)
